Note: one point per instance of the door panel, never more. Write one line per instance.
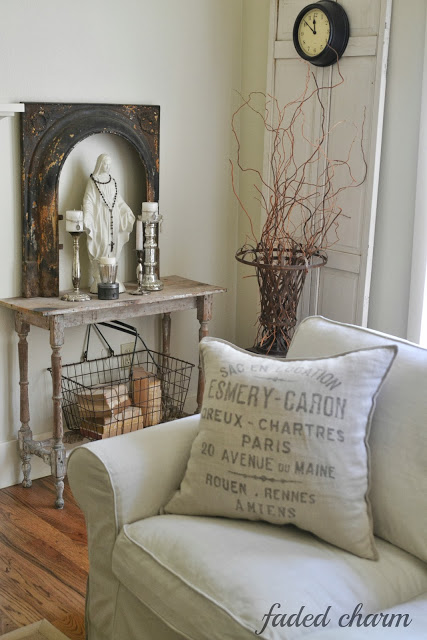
(337, 294)
(341, 289)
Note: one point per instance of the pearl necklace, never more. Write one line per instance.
(110, 209)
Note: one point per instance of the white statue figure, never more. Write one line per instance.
(107, 219)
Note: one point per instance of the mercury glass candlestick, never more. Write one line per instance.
(139, 274)
(139, 255)
(151, 220)
(76, 295)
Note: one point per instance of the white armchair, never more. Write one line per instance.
(164, 577)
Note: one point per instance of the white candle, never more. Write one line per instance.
(74, 221)
(107, 260)
(152, 207)
(150, 212)
(139, 242)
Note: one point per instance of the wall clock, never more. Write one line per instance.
(321, 32)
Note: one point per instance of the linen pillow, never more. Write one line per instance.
(285, 441)
(398, 438)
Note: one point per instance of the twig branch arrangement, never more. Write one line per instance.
(299, 199)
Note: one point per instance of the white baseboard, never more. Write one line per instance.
(10, 463)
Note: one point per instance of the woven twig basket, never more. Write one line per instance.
(280, 288)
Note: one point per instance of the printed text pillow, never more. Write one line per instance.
(285, 441)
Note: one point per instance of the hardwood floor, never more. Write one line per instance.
(43, 559)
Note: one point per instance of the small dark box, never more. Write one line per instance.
(108, 291)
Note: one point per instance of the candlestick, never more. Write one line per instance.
(151, 218)
(76, 295)
(139, 275)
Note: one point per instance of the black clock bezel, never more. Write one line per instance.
(338, 36)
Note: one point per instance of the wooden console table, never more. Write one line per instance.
(56, 315)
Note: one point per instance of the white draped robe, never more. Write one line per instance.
(96, 221)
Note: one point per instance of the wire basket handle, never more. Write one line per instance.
(128, 328)
(87, 339)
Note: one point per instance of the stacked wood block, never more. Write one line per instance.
(106, 411)
(147, 394)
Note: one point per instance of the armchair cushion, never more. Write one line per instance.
(398, 438)
(215, 578)
(285, 441)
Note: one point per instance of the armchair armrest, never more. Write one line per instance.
(133, 475)
(118, 481)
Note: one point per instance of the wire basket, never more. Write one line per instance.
(108, 396)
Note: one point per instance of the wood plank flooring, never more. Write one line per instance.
(43, 559)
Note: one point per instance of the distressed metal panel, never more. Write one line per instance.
(49, 132)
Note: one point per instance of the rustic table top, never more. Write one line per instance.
(175, 288)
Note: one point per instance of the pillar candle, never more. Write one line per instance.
(74, 221)
(150, 212)
(153, 207)
(107, 260)
(139, 240)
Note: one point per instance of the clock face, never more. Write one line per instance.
(313, 32)
(321, 32)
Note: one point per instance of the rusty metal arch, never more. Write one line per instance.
(49, 132)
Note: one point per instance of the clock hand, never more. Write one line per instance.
(309, 26)
(314, 25)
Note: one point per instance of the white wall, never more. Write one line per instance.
(390, 287)
(254, 78)
(417, 314)
(184, 56)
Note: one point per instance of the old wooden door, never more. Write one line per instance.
(341, 289)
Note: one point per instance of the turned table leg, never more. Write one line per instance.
(58, 459)
(204, 314)
(166, 333)
(25, 434)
